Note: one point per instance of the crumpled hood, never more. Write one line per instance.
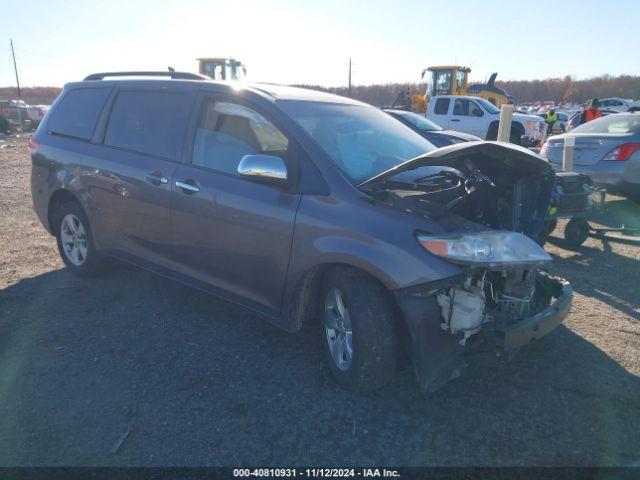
(507, 154)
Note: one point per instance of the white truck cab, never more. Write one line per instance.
(479, 117)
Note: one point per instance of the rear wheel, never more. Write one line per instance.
(75, 243)
(358, 329)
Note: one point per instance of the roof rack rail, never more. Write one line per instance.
(173, 75)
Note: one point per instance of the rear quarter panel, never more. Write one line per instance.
(60, 164)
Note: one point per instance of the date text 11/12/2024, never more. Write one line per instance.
(316, 472)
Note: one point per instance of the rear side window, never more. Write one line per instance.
(442, 106)
(77, 113)
(150, 122)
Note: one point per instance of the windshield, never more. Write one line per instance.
(363, 141)
(615, 123)
(488, 106)
(418, 121)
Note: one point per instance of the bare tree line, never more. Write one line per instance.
(523, 91)
(31, 95)
(556, 89)
(569, 90)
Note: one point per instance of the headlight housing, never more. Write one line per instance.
(488, 249)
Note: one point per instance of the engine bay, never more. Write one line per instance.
(497, 193)
(501, 298)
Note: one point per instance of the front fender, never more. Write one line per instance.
(368, 236)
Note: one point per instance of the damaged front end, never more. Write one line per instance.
(491, 201)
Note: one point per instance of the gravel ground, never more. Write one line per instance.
(198, 381)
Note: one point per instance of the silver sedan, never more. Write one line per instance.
(606, 149)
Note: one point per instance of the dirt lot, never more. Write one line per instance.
(198, 381)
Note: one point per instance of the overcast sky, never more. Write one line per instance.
(304, 41)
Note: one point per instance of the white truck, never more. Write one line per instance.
(480, 118)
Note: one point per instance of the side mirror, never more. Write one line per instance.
(263, 168)
(477, 112)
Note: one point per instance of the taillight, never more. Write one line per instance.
(623, 152)
(32, 146)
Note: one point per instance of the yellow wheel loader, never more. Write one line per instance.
(454, 80)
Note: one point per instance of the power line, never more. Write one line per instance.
(15, 68)
(349, 77)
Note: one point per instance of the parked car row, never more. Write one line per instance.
(19, 115)
(308, 207)
(618, 104)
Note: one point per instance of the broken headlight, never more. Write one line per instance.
(488, 249)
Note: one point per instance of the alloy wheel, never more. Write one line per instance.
(337, 325)
(73, 237)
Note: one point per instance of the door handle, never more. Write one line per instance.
(455, 120)
(188, 186)
(157, 178)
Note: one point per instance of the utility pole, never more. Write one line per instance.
(15, 68)
(349, 77)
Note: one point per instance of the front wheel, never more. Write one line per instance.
(358, 329)
(75, 243)
(550, 226)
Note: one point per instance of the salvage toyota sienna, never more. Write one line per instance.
(305, 207)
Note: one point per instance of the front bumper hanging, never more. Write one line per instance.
(513, 337)
(438, 356)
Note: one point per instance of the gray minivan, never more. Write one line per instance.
(304, 207)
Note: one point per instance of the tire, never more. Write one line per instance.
(576, 232)
(550, 226)
(492, 133)
(366, 318)
(515, 137)
(75, 241)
